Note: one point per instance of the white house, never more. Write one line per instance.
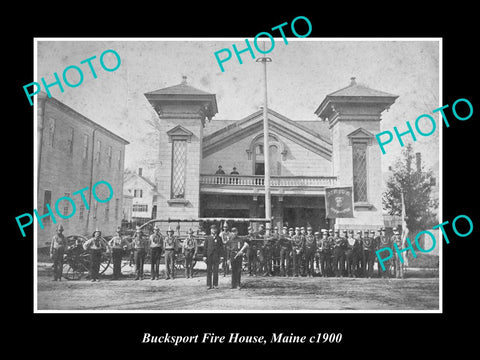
(144, 196)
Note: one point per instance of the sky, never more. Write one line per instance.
(300, 75)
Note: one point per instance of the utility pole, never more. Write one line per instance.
(266, 147)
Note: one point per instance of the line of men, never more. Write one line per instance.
(293, 252)
(157, 244)
(300, 252)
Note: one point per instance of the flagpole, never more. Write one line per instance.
(266, 147)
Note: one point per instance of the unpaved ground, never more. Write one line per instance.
(259, 293)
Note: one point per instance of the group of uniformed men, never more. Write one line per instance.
(117, 246)
(300, 252)
(293, 252)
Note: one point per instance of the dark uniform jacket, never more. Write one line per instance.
(368, 243)
(310, 243)
(252, 243)
(213, 246)
(156, 241)
(284, 241)
(235, 244)
(382, 241)
(325, 245)
(298, 243)
(340, 242)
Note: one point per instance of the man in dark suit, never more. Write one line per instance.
(212, 251)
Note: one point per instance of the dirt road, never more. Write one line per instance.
(259, 293)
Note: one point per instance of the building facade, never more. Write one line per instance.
(144, 197)
(306, 157)
(75, 153)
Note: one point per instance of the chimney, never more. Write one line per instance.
(184, 80)
(352, 81)
(140, 171)
(418, 158)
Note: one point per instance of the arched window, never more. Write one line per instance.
(277, 153)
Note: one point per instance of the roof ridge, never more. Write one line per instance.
(178, 86)
(296, 123)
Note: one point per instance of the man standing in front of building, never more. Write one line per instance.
(252, 252)
(382, 242)
(225, 235)
(96, 246)
(156, 243)
(331, 244)
(219, 171)
(211, 255)
(338, 254)
(118, 246)
(268, 249)
(236, 248)
(310, 248)
(139, 247)
(325, 253)
(170, 246)
(285, 245)
(57, 249)
(297, 251)
(189, 250)
(369, 251)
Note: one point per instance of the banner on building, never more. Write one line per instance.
(339, 202)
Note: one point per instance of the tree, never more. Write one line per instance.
(416, 186)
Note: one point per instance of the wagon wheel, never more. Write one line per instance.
(106, 258)
(179, 261)
(73, 272)
(75, 268)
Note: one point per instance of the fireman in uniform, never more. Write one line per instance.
(383, 242)
(189, 250)
(318, 239)
(224, 235)
(170, 245)
(331, 244)
(96, 246)
(156, 243)
(398, 266)
(139, 248)
(310, 248)
(285, 245)
(298, 248)
(57, 248)
(325, 252)
(260, 236)
(237, 246)
(338, 254)
(369, 252)
(276, 251)
(252, 252)
(118, 246)
(268, 247)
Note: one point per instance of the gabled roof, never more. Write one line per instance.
(355, 93)
(180, 89)
(150, 183)
(355, 89)
(184, 93)
(278, 124)
(79, 117)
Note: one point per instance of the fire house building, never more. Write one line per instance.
(306, 157)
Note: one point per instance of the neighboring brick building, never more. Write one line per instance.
(74, 153)
(305, 158)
